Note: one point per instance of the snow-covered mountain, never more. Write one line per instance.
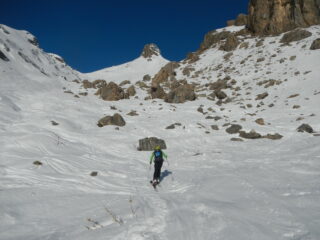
(63, 177)
(149, 63)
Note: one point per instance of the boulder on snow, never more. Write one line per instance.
(87, 84)
(295, 35)
(315, 45)
(262, 96)
(133, 113)
(181, 94)
(157, 92)
(125, 82)
(231, 43)
(220, 94)
(260, 121)
(148, 144)
(275, 136)
(233, 129)
(116, 119)
(37, 163)
(99, 83)
(236, 139)
(146, 78)
(218, 85)
(250, 135)
(215, 127)
(112, 92)
(305, 128)
(131, 91)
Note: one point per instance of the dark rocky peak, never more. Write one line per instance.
(268, 17)
(150, 50)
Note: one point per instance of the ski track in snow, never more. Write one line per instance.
(211, 188)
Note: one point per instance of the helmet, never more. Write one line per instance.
(157, 148)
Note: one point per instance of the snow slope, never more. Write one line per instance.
(212, 188)
(132, 71)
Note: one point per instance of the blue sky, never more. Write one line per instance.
(92, 35)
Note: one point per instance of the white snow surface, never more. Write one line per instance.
(211, 188)
(133, 71)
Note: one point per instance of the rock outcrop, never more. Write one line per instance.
(131, 91)
(315, 44)
(295, 35)
(250, 135)
(233, 129)
(305, 128)
(231, 43)
(278, 16)
(157, 92)
(148, 144)
(241, 20)
(166, 73)
(112, 92)
(3, 56)
(181, 94)
(116, 119)
(212, 38)
(150, 50)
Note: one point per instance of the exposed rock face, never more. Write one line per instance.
(192, 57)
(157, 92)
(150, 50)
(295, 35)
(315, 45)
(278, 16)
(148, 144)
(165, 73)
(34, 41)
(230, 44)
(95, 84)
(3, 57)
(181, 94)
(212, 38)
(241, 20)
(230, 23)
(112, 92)
(116, 119)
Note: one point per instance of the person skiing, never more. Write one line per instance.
(157, 157)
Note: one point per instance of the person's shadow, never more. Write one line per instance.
(165, 174)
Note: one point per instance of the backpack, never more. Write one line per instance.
(158, 155)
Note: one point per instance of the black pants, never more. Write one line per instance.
(157, 169)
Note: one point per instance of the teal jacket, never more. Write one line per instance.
(152, 156)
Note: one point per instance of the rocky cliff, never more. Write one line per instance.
(277, 16)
